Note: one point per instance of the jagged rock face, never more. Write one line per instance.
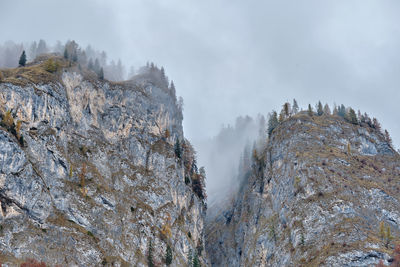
(97, 178)
(307, 201)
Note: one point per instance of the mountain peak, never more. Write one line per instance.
(317, 194)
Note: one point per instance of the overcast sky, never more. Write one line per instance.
(232, 57)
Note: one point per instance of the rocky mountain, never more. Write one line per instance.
(98, 173)
(320, 192)
(89, 173)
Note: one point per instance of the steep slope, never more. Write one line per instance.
(94, 180)
(322, 192)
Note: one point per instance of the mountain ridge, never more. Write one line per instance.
(315, 195)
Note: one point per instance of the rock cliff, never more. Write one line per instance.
(321, 192)
(88, 171)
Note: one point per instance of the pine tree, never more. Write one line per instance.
(382, 229)
(22, 59)
(246, 158)
(178, 149)
(196, 261)
(75, 57)
(320, 109)
(388, 236)
(342, 111)
(367, 119)
(295, 107)
(335, 110)
(281, 116)
(261, 128)
(150, 261)
(190, 258)
(272, 233)
(360, 116)
(71, 51)
(310, 111)
(172, 88)
(65, 53)
(272, 122)
(168, 256)
(351, 116)
(96, 66)
(120, 71)
(286, 109)
(376, 124)
(388, 139)
(42, 47)
(33, 51)
(90, 64)
(101, 74)
(162, 73)
(327, 110)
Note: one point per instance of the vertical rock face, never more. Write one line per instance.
(95, 179)
(323, 192)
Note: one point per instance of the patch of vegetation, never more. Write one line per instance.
(296, 184)
(177, 149)
(272, 223)
(302, 240)
(166, 231)
(15, 129)
(187, 180)
(89, 233)
(348, 114)
(44, 71)
(51, 65)
(168, 256)
(385, 234)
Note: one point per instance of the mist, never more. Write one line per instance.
(227, 155)
(232, 58)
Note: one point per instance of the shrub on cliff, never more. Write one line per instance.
(51, 65)
(8, 120)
